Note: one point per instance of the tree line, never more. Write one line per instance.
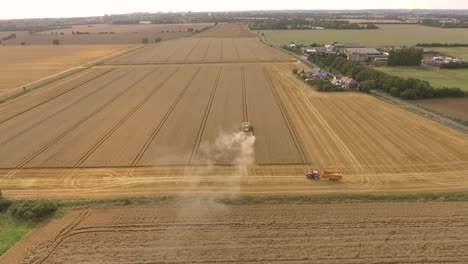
(288, 24)
(455, 65)
(396, 86)
(442, 45)
(438, 23)
(405, 56)
(27, 210)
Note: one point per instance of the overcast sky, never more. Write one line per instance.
(67, 8)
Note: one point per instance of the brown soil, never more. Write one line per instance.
(203, 232)
(451, 107)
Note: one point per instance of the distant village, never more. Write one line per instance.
(360, 53)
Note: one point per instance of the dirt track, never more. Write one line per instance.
(214, 233)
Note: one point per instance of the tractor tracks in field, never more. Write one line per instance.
(124, 119)
(61, 110)
(54, 97)
(79, 123)
(163, 121)
(292, 130)
(206, 114)
(245, 113)
(62, 236)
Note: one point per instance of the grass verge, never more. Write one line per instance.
(11, 231)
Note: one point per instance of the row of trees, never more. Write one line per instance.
(146, 40)
(396, 86)
(405, 56)
(442, 45)
(455, 65)
(286, 24)
(438, 23)
(27, 210)
(11, 36)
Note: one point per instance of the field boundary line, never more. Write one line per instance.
(125, 118)
(206, 51)
(58, 112)
(82, 121)
(166, 62)
(163, 121)
(50, 79)
(54, 97)
(191, 50)
(287, 120)
(235, 48)
(201, 130)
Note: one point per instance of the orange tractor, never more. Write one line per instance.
(331, 175)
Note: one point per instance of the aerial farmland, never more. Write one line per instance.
(205, 137)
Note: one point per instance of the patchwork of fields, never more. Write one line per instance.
(167, 104)
(195, 50)
(106, 34)
(385, 36)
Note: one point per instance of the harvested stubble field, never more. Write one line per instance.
(21, 65)
(203, 232)
(197, 50)
(101, 119)
(380, 147)
(362, 135)
(100, 34)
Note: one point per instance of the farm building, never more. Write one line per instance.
(349, 83)
(340, 47)
(364, 54)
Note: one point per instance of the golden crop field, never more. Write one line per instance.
(107, 34)
(165, 123)
(196, 50)
(21, 65)
(267, 233)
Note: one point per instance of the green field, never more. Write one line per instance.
(437, 77)
(11, 231)
(455, 52)
(386, 35)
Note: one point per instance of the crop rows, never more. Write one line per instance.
(146, 116)
(308, 233)
(195, 50)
